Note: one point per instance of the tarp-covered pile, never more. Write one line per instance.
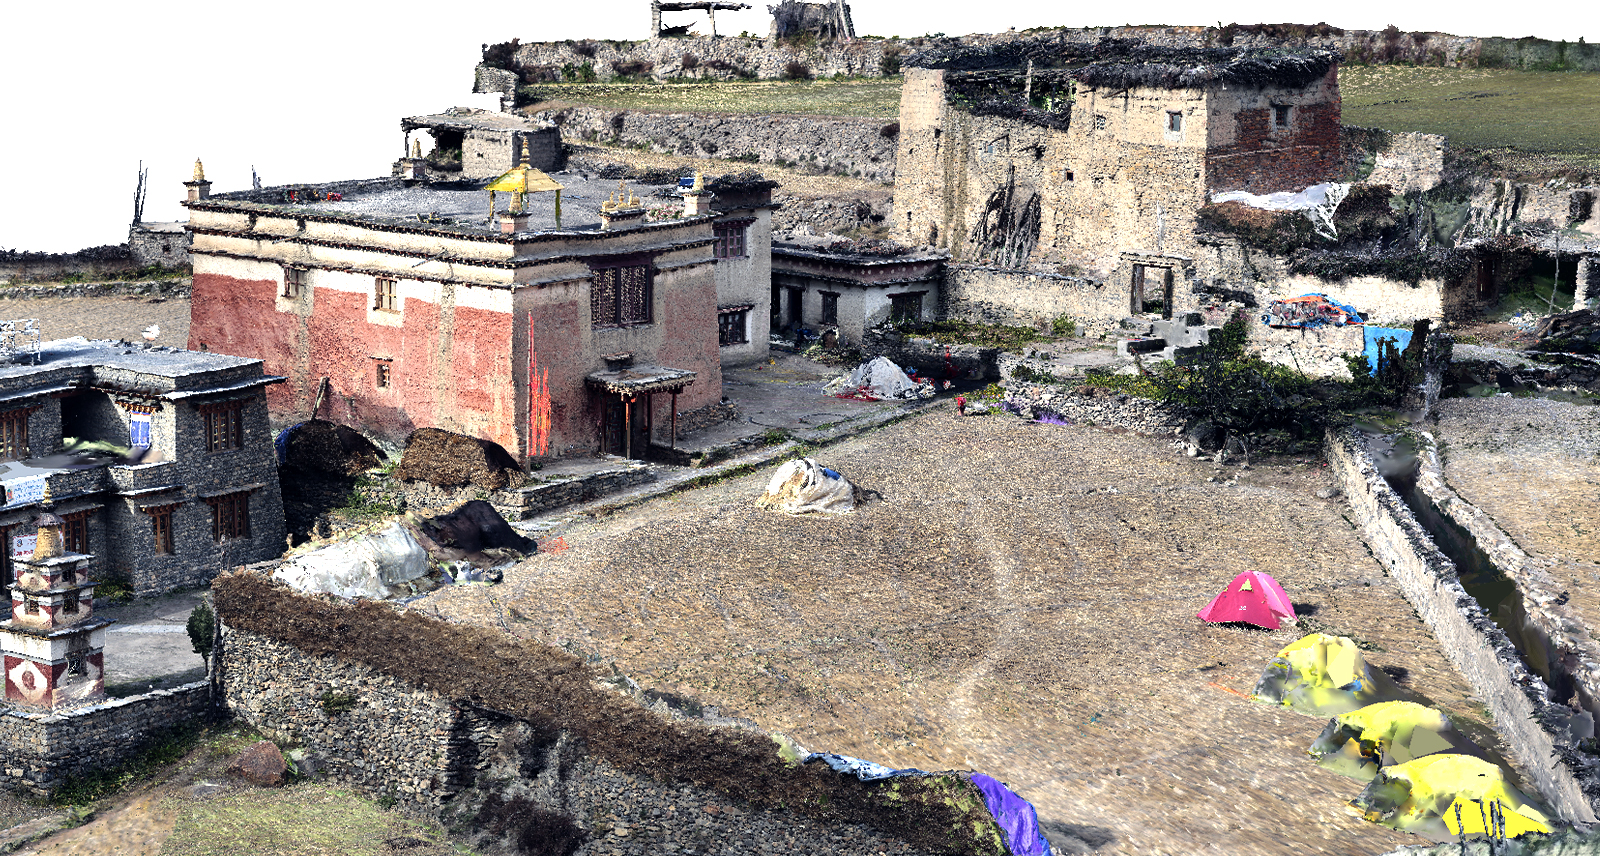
(877, 379)
(376, 566)
(1309, 311)
(1356, 744)
(805, 485)
(1324, 675)
(1422, 796)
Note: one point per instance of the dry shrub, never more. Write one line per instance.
(319, 446)
(446, 459)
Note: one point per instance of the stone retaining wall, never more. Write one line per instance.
(838, 145)
(1316, 351)
(989, 295)
(932, 358)
(722, 58)
(44, 749)
(389, 739)
(1518, 700)
(1092, 407)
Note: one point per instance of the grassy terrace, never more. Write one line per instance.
(876, 98)
(1553, 114)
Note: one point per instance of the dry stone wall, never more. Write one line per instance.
(722, 58)
(843, 146)
(44, 749)
(1316, 351)
(990, 295)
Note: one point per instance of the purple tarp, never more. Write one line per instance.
(1016, 817)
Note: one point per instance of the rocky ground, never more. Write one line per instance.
(119, 317)
(1020, 601)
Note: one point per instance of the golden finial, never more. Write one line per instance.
(199, 170)
(633, 201)
(49, 544)
(416, 148)
(699, 182)
(523, 164)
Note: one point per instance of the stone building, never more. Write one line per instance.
(398, 307)
(1052, 156)
(477, 144)
(203, 494)
(824, 284)
(164, 244)
(742, 205)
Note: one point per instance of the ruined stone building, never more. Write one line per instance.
(203, 496)
(1096, 160)
(826, 285)
(402, 304)
(478, 144)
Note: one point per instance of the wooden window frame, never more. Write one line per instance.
(230, 516)
(14, 433)
(830, 307)
(1174, 121)
(383, 373)
(733, 327)
(623, 295)
(731, 239)
(385, 294)
(75, 531)
(896, 301)
(294, 282)
(162, 523)
(224, 426)
(1281, 117)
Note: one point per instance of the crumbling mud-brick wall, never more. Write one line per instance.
(425, 711)
(44, 749)
(989, 295)
(1273, 137)
(721, 58)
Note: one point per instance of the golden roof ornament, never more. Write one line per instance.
(699, 182)
(416, 148)
(523, 163)
(49, 544)
(200, 170)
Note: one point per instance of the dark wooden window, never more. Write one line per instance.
(75, 531)
(224, 425)
(732, 327)
(1099, 123)
(383, 370)
(384, 297)
(730, 243)
(1280, 116)
(69, 606)
(294, 282)
(162, 521)
(830, 308)
(905, 307)
(230, 516)
(620, 296)
(14, 434)
(30, 606)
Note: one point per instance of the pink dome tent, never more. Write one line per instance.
(1253, 597)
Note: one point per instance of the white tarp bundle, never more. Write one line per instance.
(375, 566)
(878, 378)
(805, 485)
(1318, 201)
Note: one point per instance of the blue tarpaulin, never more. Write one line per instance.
(1401, 336)
(281, 444)
(1014, 815)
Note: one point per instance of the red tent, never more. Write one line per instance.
(1253, 597)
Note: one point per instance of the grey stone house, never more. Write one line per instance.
(204, 493)
(825, 284)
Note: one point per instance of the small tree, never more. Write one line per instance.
(202, 629)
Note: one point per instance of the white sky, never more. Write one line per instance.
(314, 91)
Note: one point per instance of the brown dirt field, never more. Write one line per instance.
(1020, 602)
(114, 317)
(1533, 465)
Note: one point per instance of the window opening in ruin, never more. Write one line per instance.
(730, 240)
(620, 296)
(732, 327)
(1174, 122)
(905, 307)
(1066, 175)
(1486, 287)
(830, 307)
(69, 606)
(384, 298)
(75, 531)
(1280, 116)
(230, 516)
(224, 425)
(381, 373)
(14, 434)
(294, 281)
(161, 519)
(1099, 122)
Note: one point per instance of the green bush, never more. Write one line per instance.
(1063, 326)
(202, 629)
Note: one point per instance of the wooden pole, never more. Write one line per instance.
(674, 420)
(627, 427)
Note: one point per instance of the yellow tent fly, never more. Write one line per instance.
(1419, 796)
(1356, 744)
(1323, 675)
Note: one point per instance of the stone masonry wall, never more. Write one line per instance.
(848, 146)
(1019, 298)
(1519, 701)
(388, 739)
(1316, 351)
(44, 749)
(722, 58)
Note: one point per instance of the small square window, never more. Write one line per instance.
(294, 282)
(732, 327)
(69, 606)
(1280, 116)
(384, 297)
(830, 308)
(905, 307)
(1174, 122)
(1066, 175)
(383, 371)
(1099, 123)
(730, 241)
(224, 425)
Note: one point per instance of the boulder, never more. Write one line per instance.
(449, 460)
(260, 764)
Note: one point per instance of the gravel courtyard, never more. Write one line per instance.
(1019, 601)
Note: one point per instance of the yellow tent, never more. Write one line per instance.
(1323, 675)
(1420, 796)
(1356, 744)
